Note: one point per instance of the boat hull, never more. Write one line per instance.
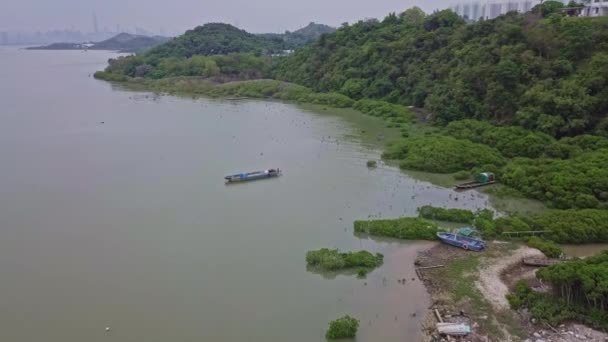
(251, 176)
(472, 185)
(460, 241)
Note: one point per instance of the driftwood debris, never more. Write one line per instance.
(540, 262)
(438, 315)
(430, 267)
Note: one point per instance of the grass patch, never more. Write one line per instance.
(459, 280)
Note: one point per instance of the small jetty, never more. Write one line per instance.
(463, 238)
(482, 179)
(255, 175)
(540, 262)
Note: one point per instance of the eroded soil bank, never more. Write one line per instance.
(471, 288)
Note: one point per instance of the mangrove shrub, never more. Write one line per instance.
(344, 327)
(443, 214)
(549, 248)
(441, 154)
(332, 259)
(409, 228)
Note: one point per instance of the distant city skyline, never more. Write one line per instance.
(176, 16)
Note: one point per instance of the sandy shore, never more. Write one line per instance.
(490, 283)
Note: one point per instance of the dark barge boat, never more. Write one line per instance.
(485, 178)
(250, 176)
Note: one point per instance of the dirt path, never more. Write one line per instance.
(490, 284)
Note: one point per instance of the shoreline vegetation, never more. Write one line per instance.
(522, 96)
(329, 260)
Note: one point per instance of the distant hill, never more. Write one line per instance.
(126, 42)
(215, 39)
(123, 42)
(301, 37)
(309, 33)
(214, 50)
(63, 46)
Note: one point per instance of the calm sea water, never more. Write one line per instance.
(113, 213)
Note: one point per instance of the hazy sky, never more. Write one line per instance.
(179, 15)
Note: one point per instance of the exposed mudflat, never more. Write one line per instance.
(490, 283)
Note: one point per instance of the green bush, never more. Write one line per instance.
(330, 99)
(549, 248)
(486, 227)
(570, 147)
(362, 272)
(511, 224)
(443, 214)
(462, 175)
(344, 327)
(509, 141)
(408, 228)
(110, 77)
(572, 226)
(581, 182)
(254, 88)
(397, 113)
(542, 306)
(441, 154)
(579, 293)
(371, 163)
(332, 259)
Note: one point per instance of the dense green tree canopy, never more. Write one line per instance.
(300, 37)
(442, 154)
(544, 74)
(214, 39)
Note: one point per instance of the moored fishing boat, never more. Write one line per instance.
(462, 241)
(250, 176)
(482, 179)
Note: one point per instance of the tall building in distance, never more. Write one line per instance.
(490, 9)
(95, 24)
(3, 38)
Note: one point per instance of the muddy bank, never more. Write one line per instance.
(490, 283)
(471, 287)
(456, 293)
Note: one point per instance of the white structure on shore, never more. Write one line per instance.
(595, 8)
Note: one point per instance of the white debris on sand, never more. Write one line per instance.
(490, 284)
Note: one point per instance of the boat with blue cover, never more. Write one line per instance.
(463, 238)
(250, 176)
